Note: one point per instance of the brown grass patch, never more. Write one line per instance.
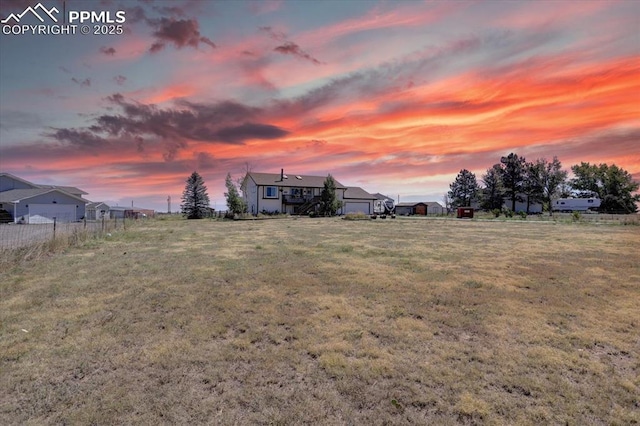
(327, 321)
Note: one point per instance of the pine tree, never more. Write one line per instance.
(329, 203)
(513, 177)
(464, 189)
(493, 191)
(532, 185)
(235, 203)
(195, 200)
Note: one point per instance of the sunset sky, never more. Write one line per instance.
(393, 96)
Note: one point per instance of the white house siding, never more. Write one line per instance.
(256, 201)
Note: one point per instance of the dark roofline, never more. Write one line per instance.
(291, 180)
(20, 179)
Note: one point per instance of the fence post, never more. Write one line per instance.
(54, 228)
(103, 224)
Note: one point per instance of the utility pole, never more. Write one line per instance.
(169, 204)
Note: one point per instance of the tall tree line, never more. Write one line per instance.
(514, 179)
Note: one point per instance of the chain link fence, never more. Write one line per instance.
(15, 236)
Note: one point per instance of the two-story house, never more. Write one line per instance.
(298, 194)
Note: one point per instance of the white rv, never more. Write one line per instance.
(576, 204)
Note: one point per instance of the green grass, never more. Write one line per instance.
(326, 321)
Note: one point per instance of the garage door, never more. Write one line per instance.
(44, 213)
(355, 207)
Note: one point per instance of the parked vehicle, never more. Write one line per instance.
(383, 208)
(576, 204)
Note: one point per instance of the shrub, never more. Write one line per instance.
(508, 213)
(523, 215)
(576, 216)
(496, 212)
(356, 216)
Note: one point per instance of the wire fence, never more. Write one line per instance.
(15, 236)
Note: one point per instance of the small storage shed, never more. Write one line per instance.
(465, 212)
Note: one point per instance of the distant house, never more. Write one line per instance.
(97, 211)
(419, 208)
(28, 202)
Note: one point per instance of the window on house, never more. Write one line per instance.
(589, 201)
(271, 192)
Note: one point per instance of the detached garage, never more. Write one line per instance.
(357, 200)
(42, 205)
(27, 202)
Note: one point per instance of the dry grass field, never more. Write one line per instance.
(327, 321)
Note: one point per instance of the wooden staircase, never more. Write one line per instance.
(308, 206)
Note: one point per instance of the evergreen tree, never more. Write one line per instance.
(553, 180)
(532, 185)
(235, 203)
(512, 174)
(195, 200)
(329, 203)
(493, 191)
(614, 186)
(464, 189)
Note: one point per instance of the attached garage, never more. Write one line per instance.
(357, 207)
(45, 213)
(357, 200)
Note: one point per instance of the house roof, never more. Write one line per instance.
(96, 204)
(355, 192)
(69, 189)
(17, 195)
(26, 182)
(302, 181)
(380, 196)
(409, 204)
